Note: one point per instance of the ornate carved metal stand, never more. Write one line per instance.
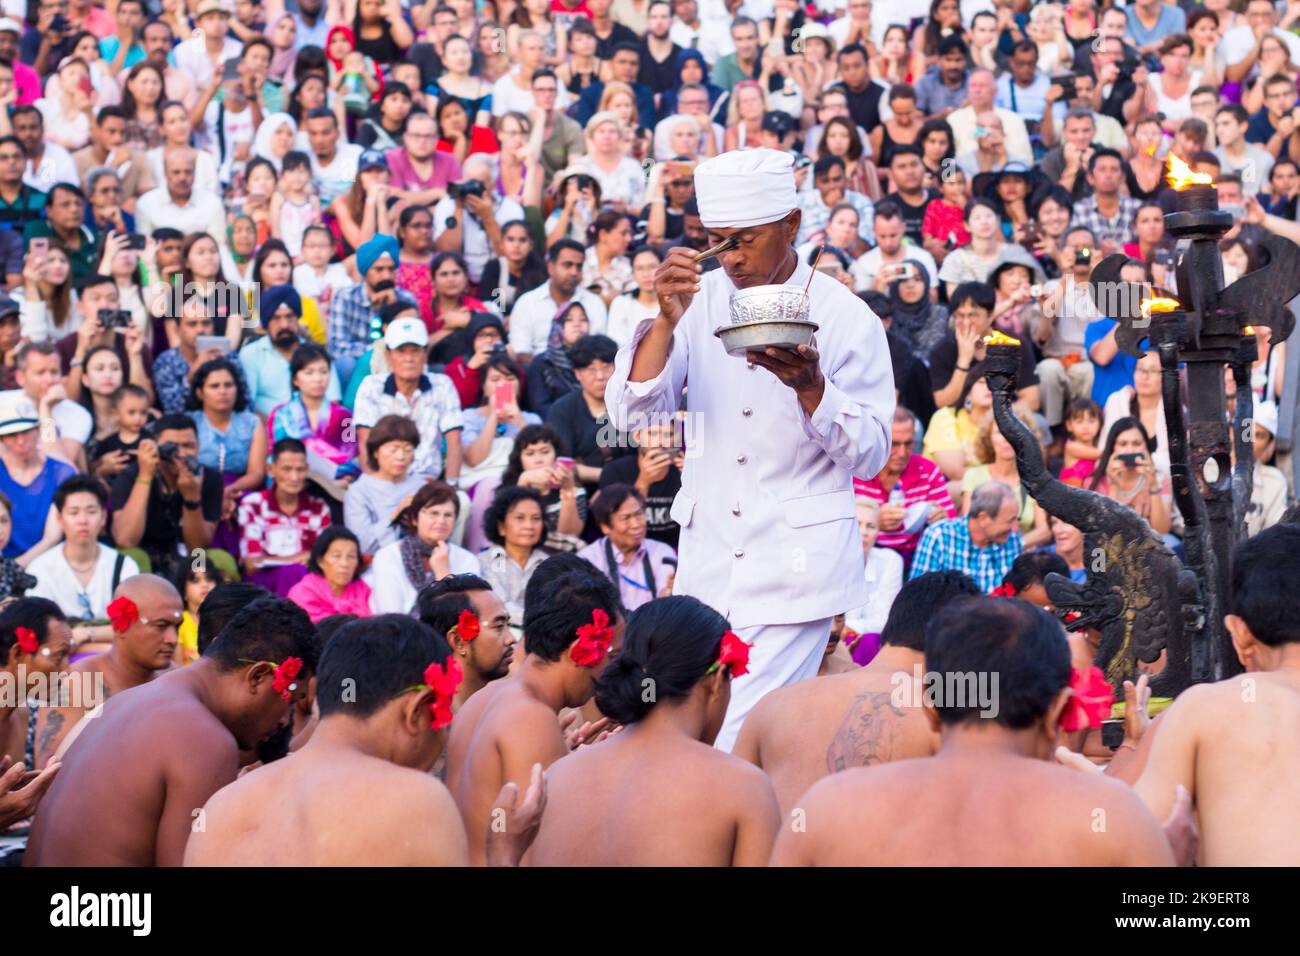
(1138, 594)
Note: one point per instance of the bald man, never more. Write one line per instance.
(139, 653)
(138, 775)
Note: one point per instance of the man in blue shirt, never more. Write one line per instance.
(983, 545)
(1150, 21)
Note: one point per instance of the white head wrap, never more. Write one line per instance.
(748, 187)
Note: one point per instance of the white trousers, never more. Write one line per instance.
(780, 654)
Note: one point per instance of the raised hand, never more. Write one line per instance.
(677, 280)
(513, 822)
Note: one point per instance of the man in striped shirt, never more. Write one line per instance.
(983, 545)
(920, 480)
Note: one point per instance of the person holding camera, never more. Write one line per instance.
(104, 322)
(1127, 473)
(468, 219)
(165, 503)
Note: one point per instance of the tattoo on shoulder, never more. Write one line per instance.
(869, 733)
(45, 740)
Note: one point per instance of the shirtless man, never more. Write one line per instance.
(1235, 745)
(512, 724)
(133, 782)
(658, 793)
(143, 647)
(799, 734)
(486, 654)
(991, 796)
(376, 734)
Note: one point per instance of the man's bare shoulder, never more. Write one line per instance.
(828, 692)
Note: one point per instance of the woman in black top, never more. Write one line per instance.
(524, 269)
(381, 30)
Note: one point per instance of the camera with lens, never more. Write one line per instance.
(169, 451)
(471, 187)
(114, 318)
(60, 24)
(1083, 257)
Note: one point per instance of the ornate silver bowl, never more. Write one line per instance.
(767, 316)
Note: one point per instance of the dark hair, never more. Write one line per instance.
(430, 493)
(368, 663)
(195, 403)
(81, 483)
(335, 532)
(175, 422)
(135, 391)
(850, 50)
(1033, 567)
(391, 428)
(1020, 645)
(1101, 152)
(553, 615)
(610, 498)
(500, 361)
(855, 141)
(506, 497)
(264, 252)
(1263, 575)
(321, 112)
(979, 293)
(553, 253)
(440, 604)
(129, 105)
(669, 645)
(287, 446)
(256, 39)
(295, 159)
(1120, 426)
(95, 279)
(592, 348)
(222, 604)
(915, 603)
(112, 112)
(183, 572)
(528, 435)
(1081, 407)
(950, 43)
(825, 164)
(937, 126)
(32, 613)
(268, 629)
(306, 354)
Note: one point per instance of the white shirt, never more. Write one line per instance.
(884, 580)
(1239, 41)
(663, 130)
(37, 320)
(839, 28)
(768, 534)
(56, 581)
(712, 39)
(205, 169)
(962, 122)
(1254, 166)
(203, 213)
(336, 178)
(239, 128)
(391, 591)
(475, 245)
(56, 166)
(625, 313)
(530, 320)
(866, 266)
(71, 419)
(192, 56)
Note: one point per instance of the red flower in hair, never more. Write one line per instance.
(122, 613)
(28, 642)
(284, 675)
(443, 681)
(1004, 590)
(1070, 618)
(734, 656)
(467, 625)
(593, 640)
(1089, 702)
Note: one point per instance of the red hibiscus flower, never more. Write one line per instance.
(467, 625)
(443, 681)
(28, 642)
(734, 655)
(1089, 702)
(1004, 590)
(122, 613)
(593, 640)
(284, 675)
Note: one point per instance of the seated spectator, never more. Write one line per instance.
(102, 381)
(383, 127)
(515, 524)
(361, 211)
(279, 525)
(11, 333)
(334, 164)
(178, 133)
(981, 89)
(273, 266)
(354, 307)
(425, 554)
(1065, 374)
(333, 582)
(178, 204)
(1067, 543)
(232, 441)
(108, 148)
(655, 471)
(324, 427)
(173, 368)
(1268, 496)
(631, 308)
(415, 236)
(164, 507)
(986, 251)
(374, 360)
(982, 544)
(491, 425)
(316, 276)
(29, 479)
(887, 263)
(1016, 311)
(46, 298)
(39, 378)
(905, 483)
(376, 500)
(642, 568)
(65, 215)
(470, 223)
(606, 270)
(486, 336)
(98, 296)
(580, 417)
(129, 410)
(429, 400)
(453, 307)
(266, 361)
(80, 574)
(959, 357)
(1142, 399)
(551, 375)
(952, 438)
(535, 463)
(517, 270)
(997, 462)
(534, 313)
(830, 190)
(420, 172)
(621, 178)
(884, 581)
(1082, 436)
(195, 580)
(1127, 473)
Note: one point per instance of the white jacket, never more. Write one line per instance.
(767, 507)
(391, 591)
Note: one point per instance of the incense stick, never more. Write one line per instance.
(723, 246)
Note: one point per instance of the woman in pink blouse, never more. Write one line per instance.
(333, 583)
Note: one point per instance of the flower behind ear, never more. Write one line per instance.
(28, 642)
(1089, 701)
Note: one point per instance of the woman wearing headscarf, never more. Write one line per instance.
(691, 68)
(551, 376)
(486, 334)
(275, 137)
(917, 320)
(240, 250)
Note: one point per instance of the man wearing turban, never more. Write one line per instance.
(266, 361)
(774, 438)
(353, 307)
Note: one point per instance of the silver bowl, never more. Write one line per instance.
(767, 316)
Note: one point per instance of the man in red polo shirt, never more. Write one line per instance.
(917, 480)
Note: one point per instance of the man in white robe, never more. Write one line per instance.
(774, 438)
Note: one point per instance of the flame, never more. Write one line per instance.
(1151, 151)
(999, 338)
(1158, 304)
(1181, 175)
(1248, 330)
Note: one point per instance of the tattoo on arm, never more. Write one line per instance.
(870, 734)
(49, 734)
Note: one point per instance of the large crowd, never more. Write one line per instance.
(318, 302)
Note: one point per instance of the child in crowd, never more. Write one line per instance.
(131, 407)
(194, 579)
(294, 206)
(942, 228)
(1016, 312)
(316, 276)
(1082, 428)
